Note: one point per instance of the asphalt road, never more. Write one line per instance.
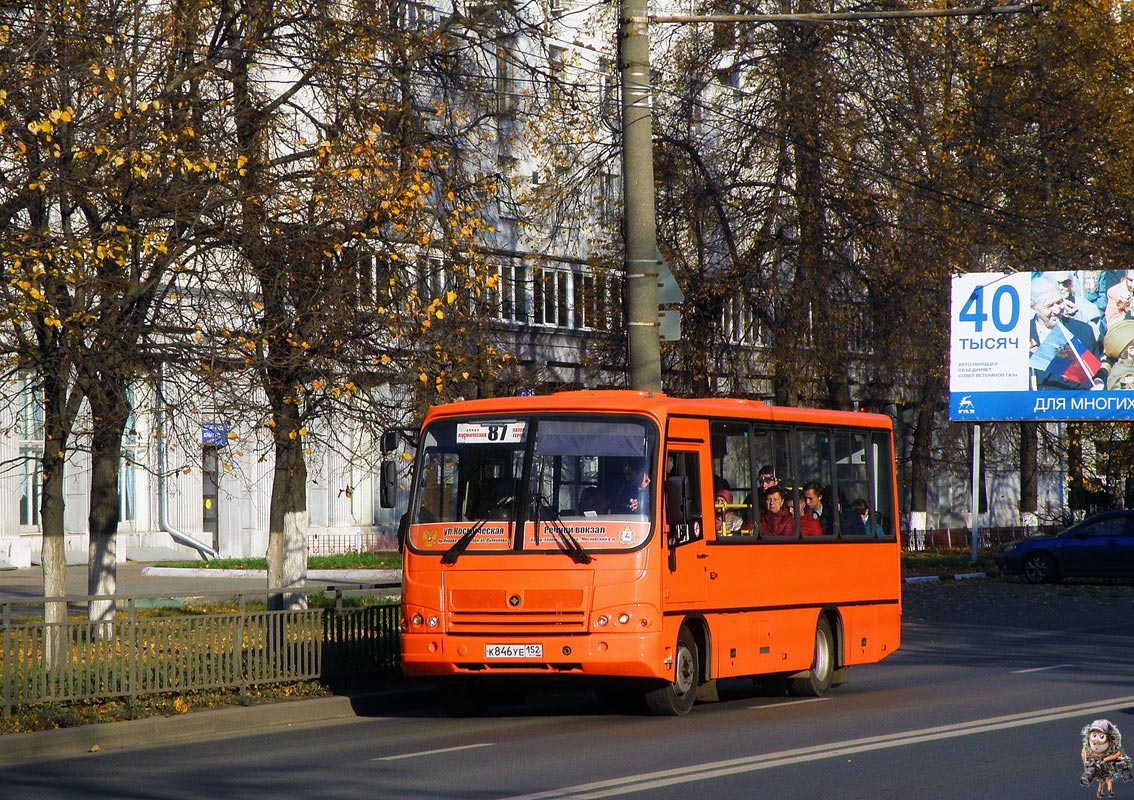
(984, 700)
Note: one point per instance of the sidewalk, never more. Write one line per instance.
(142, 580)
(215, 723)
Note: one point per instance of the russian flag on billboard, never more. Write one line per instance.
(1064, 354)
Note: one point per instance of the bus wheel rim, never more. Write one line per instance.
(683, 672)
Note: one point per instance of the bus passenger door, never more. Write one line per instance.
(686, 569)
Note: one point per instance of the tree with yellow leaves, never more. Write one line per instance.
(104, 196)
(355, 215)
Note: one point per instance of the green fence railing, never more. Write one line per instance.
(174, 648)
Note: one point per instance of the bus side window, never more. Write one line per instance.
(683, 499)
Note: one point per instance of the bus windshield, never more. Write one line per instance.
(555, 483)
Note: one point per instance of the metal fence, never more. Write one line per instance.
(329, 544)
(962, 538)
(147, 650)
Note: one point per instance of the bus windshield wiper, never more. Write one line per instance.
(459, 546)
(567, 541)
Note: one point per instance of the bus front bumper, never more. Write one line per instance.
(641, 655)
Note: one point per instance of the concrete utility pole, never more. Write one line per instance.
(639, 227)
(639, 224)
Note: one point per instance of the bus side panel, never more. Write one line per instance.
(872, 633)
(765, 599)
(763, 642)
(740, 644)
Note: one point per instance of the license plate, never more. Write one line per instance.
(513, 651)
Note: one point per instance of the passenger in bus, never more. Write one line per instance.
(634, 496)
(728, 521)
(808, 525)
(592, 502)
(494, 498)
(775, 518)
(869, 525)
(813, 497)
(851, 522)
(766, 480)
(750, 514)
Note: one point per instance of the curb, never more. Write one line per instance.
(960, 576)
(211, 723)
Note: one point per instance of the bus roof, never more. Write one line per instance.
(658, 405)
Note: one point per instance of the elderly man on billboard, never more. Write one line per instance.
(1064, 351)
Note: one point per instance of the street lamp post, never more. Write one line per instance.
(639, 227)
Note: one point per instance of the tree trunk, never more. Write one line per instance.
(52, 554)
(1077, 495)
(920, 458)
(110, 410)
(803, 331)
(287, 533)
(60, 408)
(1029, 474)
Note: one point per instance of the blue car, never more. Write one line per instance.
(1099, 546)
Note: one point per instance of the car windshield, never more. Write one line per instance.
(573, 484)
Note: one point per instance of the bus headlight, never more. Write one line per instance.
(433, 622)
(623, 618)
(602, 621)
(417, 619)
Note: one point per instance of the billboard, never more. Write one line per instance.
(1042, 346)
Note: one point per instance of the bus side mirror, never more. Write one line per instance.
(388, 496)
(389, 442)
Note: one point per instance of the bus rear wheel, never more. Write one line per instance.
(819, 677)
(676, 698)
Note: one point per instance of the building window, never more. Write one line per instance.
(127, 481)
(30, 422)
(551, 288)
(609, 194)
(506, 99)
(557, 63)
(511, 294)
(598, 303)
(609, 88)
(127, 472)
(738, 322)
(433, 277)
(418, 15)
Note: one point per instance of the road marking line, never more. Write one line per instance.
(1041, 669)
(792, 703)
(435, 752)
(716, 769)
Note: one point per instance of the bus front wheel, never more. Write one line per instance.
(819, 678)
(676, 698)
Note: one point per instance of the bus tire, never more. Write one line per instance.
(819, 677)
(676, 698)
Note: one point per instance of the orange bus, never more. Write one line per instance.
(632, 535)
